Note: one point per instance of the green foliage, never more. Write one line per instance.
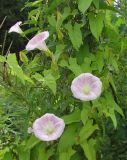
(83, 38)
(84, 5)
(96, 23)
(73, 117)
(74, 34)
(16, 69)
(89, 149)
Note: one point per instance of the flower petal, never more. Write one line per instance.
(40, 125)
(93, 87)
(16, 28)
(38, 42)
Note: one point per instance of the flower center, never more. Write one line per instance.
(87, 89)
(49, 128)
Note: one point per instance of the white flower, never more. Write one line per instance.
(48, 127)
(38, 42)
(16, 28)
(86, 87)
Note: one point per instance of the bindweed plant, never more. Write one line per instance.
(61, 89)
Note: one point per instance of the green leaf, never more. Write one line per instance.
(54, 4)
(74, 67)
(68, 138)
(62, 17)
(44, 153)
(16, 69)
(85, 113)
(23, 57)
(59, 20)
(114, 63)
(34, 14)
(3, 152)
(111, 114)
(82, 53)
(87, 130)
(59, 50)
(32, 141)
(96, 3)
(89, 148)
(75, 34)
(52, 21)
(73, 117)
(8, 156)
(96, 23)
(100, 60)
(38, 77)
(35, 65)
(23, 155)
(66, 155)
(67, 12)
(86, 66)
(36, 3)
(2, 59)
(63, 63)
(49, 80)
(77, 156)
(31, 30)
(119, 110)
(109, 110)
(111, 81)
(83, 5)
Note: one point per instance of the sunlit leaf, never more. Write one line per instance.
(83, 5)
(73, 117)
(75, 34)
(50, 80)
(89, 148)
(85, 113)
(74, 67)
(68, 138)
(66, 155)
(96, 23)
(2, 59)
(87, 130)
(23, 57)
(16, 69)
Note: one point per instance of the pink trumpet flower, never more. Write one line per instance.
(16, 28)
(38, 42)
(48, 127)
(86, 87)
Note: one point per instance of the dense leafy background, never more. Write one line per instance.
(85, 36)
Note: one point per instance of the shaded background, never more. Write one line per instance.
(11, 9)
